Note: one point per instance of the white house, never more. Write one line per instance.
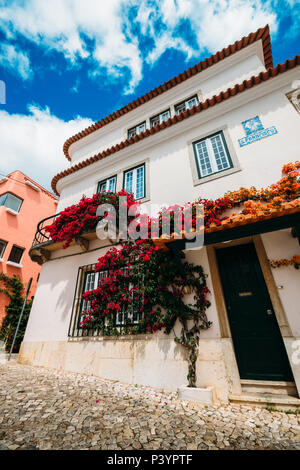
(231, 121)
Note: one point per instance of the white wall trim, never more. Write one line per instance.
(16, 265)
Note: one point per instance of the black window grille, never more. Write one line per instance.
(88, 279)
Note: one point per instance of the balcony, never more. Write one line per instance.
(42, 245)
(233, 228)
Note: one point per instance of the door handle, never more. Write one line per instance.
(269, 312)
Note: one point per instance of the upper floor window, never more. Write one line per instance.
(3, 246)
(137, 130)
(108, 185)
(212, 155)
(11, 201)
(160, 118)
(134, 181)
(186, 104)
(16, 254)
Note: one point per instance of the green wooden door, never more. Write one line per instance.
(257, 340)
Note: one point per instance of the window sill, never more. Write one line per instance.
(144, 199)
(214, 176)
(11, 211)
(16, 265)
(33, 186)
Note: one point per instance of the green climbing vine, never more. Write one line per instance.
(143, 289)
(13, 288)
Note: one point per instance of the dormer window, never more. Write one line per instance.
(159, 118)
(107, 185)
(137, 130)
(186, 104)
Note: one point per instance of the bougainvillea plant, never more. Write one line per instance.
(144, 287)
(82, 217)
(294, 261)
(253, 199)
(144, 292)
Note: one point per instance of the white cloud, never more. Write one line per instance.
(214, 25)
(16, 60)
(60, 25)
(114, 46)
(33, 143)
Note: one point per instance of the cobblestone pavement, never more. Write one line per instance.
(47, 409)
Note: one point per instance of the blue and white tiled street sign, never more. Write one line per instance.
(255, 131)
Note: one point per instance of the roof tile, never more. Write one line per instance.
(262, 33)
(238, 88)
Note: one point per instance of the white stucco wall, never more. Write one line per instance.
(154, 360)
(169, 165)
(281, 245)
(51, 311)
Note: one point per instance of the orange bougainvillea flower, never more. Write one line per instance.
(294, 261)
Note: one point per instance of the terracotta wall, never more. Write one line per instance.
(19, 229)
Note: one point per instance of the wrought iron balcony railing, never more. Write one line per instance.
(41, 234)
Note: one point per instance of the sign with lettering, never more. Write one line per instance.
(255, 131)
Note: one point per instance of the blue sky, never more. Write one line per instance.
(67, 63)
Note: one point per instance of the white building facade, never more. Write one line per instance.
(232, 121)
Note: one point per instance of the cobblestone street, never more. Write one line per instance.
(47, 409)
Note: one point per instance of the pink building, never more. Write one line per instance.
(23, 203)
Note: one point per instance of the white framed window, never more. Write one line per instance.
(212, 155)
(11, 201)
(3, 246)
(108, 185)
(92, 281)
(159, 118)
(137, 130)
(134, 181)
(186, 104)
(134, 314)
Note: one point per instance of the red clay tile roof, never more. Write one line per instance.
(262, 33)
(287, 208)
(202, 106)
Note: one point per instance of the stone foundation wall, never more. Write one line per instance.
(156, 361)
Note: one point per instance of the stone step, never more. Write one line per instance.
(269, 387)
(200, 395)
(277, 401)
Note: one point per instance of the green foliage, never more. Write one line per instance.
(13, 288)
(146, 279)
